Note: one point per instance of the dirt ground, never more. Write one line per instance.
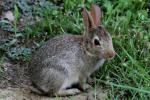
(16, 94)
(14, 85)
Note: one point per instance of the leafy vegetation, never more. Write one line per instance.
(127, 76)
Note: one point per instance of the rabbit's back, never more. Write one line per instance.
(61, 47)
(58, 45)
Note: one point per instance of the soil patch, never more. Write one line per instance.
(14, 85)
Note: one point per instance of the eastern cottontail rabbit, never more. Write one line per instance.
(70, 59)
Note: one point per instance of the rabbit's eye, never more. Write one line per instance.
(96, 42)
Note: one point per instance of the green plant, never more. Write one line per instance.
(1, 65)
(16, 15)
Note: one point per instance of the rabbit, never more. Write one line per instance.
(68, 60)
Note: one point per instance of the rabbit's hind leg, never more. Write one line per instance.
(68, 92)
(49, 81)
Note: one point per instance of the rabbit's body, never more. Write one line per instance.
(62, 62)
(66, 60)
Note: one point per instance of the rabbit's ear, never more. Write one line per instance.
(87, 19)
(96, 14)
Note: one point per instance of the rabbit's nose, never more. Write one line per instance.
(109, 54)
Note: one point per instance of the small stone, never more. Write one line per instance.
(9, 15)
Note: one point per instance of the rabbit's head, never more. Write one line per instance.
(97, 41)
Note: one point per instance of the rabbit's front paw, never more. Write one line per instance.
(86, 87)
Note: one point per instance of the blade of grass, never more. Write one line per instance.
(125, 87)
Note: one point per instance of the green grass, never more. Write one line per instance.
(127, 76)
